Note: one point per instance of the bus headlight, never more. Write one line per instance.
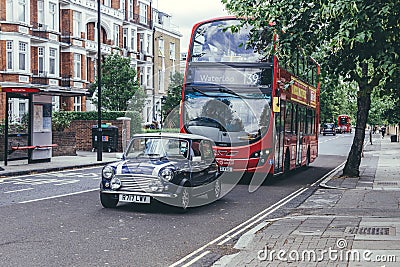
(167, 174)
(108, 172)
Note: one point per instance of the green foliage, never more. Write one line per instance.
(174, 95)
(120, 90)
(62, 119)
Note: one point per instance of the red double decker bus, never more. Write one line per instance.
(260, 114)
(344, 124)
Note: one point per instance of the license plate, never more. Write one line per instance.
(225, 169)
(134, 199)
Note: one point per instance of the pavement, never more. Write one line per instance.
(345, 222)
(82, 159)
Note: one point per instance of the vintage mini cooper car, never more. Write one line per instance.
(169, 167)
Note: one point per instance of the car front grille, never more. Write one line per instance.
(136, 183)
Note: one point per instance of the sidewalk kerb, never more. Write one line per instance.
(329, 177)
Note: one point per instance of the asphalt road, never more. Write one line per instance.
(56, 219)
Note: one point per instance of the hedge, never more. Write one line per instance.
(62, 119)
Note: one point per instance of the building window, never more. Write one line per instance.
(141, 36)
(116, 35)
(22, 55)
(143, 13)
(77, 103)
(141, 77)
(77, 23)
(148, 44)
(55, 102)
(52, 61)
(107, 3)
(22, 110)
(172, 50)
(9, 48)
(40, 60)
(10, 10)
(77, 66)
(161, 47)
(133, 40)
(125, 38)
(53, 16)
(148, 79)
(130, 11)
(22, 10)
(40, 12)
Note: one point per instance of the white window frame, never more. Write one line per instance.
(161, 47)
(172, 51)
(77, 18)
(53, 15)
(133, 40)
(10, 55)
(22, 11)
(52, 61)
(77, 103)
(107, 3)
(77, 66)
(148, 77)
(125, 38)
(22, 56)
(10, 10)
(142, 13)
(41, 12)
(41, 63)
(116, 35)
(130, 11)
(148, 44)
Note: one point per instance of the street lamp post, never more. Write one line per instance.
(99, 130)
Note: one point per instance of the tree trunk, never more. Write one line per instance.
(352, 167)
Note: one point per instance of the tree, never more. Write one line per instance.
(174, 95)
(357, 40)
(119, 86)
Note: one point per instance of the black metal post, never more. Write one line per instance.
(6, 134)
(99, 130)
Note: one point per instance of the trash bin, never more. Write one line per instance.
(393, 138)
(109, 137)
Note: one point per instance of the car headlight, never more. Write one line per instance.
(108, 172)
(167, 174)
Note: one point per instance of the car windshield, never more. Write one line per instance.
(227, 118)
(160, 147)
(329, 126)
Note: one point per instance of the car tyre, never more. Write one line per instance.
(215, 193)
(184, 199)
(108, 201)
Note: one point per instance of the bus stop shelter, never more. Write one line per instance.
(31, 136)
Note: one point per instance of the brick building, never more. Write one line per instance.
(51, 45)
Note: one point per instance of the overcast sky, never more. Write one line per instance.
(185, 13)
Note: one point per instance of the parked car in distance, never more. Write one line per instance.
(329, 128)
(172, 168)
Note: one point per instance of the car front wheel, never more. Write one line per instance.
(215, 193)
(108, 201)
(184, 199)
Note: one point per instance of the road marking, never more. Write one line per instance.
(245, 225)
(20, 190)
(52, 197)
(196, 259)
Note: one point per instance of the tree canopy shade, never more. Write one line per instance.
(357, 40)
(119, 86)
